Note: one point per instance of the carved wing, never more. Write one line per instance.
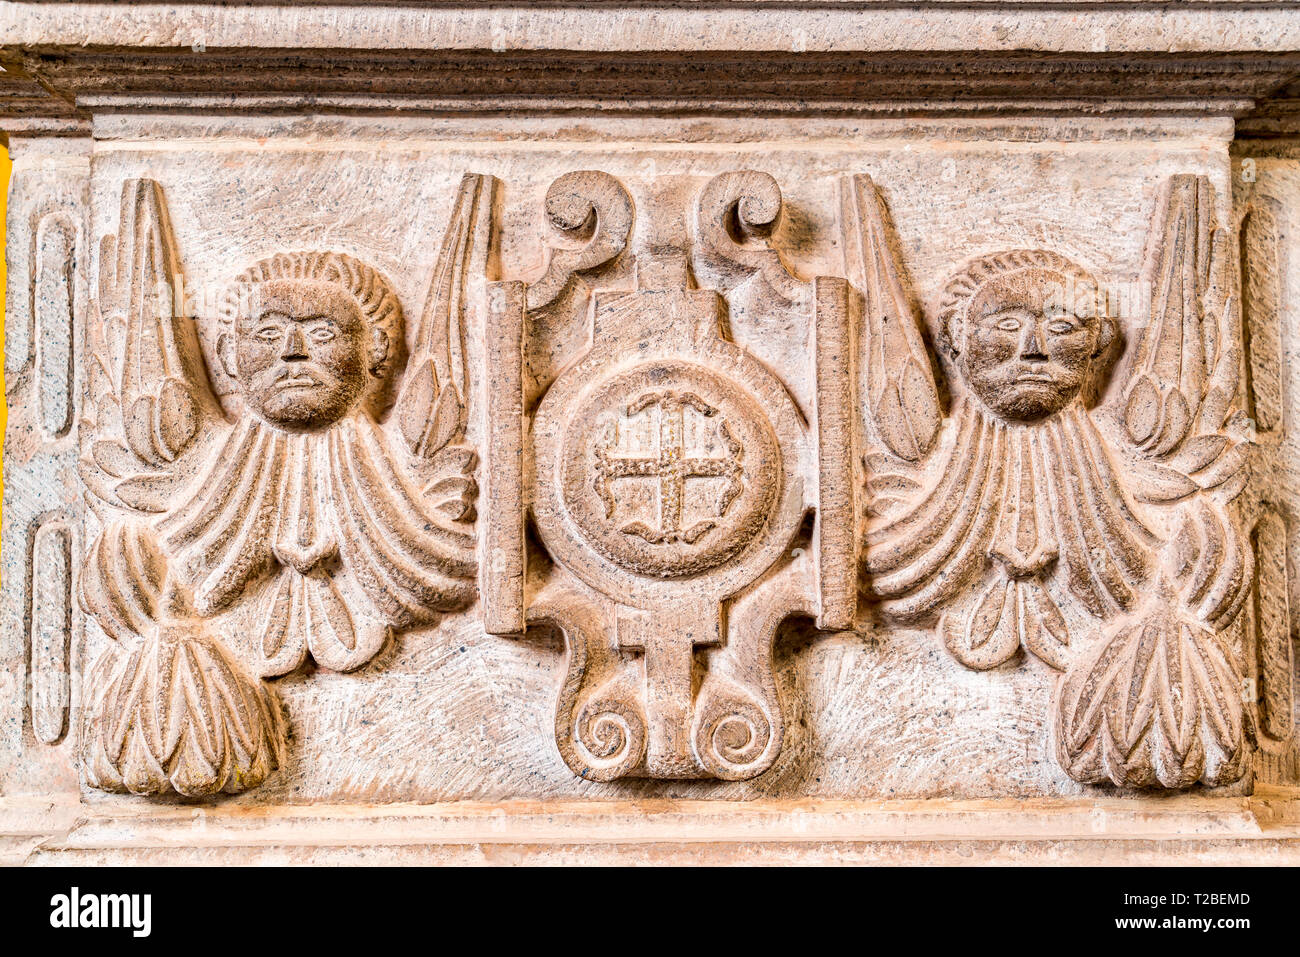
(1178, 405)
(430, 409)
(902, 401)
(150, 394)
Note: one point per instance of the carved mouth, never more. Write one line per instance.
(298, 381)
(1033, 377)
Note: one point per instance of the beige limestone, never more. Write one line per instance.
(403, 466)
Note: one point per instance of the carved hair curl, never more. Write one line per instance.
(963, 288)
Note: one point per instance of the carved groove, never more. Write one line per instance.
(51, 630)
(1260, 241)
(1273, 630)
(54, 301)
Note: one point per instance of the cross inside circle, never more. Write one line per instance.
(672, 467)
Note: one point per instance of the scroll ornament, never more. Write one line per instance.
(663, 470)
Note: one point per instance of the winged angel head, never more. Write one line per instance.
(309, 515)
(309, 337)
(1101, 537)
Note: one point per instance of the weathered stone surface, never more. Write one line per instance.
(638, 440)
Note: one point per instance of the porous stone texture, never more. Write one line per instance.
(806, 435)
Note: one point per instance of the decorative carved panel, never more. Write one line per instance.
(647, 430)
(659, 495)
(668, 473)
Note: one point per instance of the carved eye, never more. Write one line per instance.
(1060, 327)
(268, 333)
(1009, 324)
(321, 332)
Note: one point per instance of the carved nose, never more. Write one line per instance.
(294, 346)
(1030, 346)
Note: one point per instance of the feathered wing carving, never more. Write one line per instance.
(430, 410)
(1178, 406)
(902, 401)
(150, 397)
(1187, 363)
(1159, 700)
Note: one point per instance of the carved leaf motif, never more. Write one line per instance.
(447, 419)
(902, 399)
(177, 714)
(334, 637)
(280, 623)
(432, 417)
(113, 458)
(147, 493)
(1010, 614)
(1160, 484)
(989, 635)
(453, 489)
(1043, 630)
(891, 485)
(418, 397)
(1157, 702)
(1200, 452)
(1212, 565)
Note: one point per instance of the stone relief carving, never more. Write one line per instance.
(667, 473)
(312, 513)
(660, 494)
(1114, 554)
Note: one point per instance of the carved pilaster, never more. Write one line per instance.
(47, 253)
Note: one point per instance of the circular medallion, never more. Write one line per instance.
(669, 469)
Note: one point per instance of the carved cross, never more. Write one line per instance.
(672, 467)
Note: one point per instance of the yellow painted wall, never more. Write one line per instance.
(4, 194)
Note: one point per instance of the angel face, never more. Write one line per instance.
(301, 353)
(1023, 353)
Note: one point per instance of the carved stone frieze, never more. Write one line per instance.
(788, 431)
(1056, 480)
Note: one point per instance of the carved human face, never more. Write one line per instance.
(1026, 352)
(301, 353)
